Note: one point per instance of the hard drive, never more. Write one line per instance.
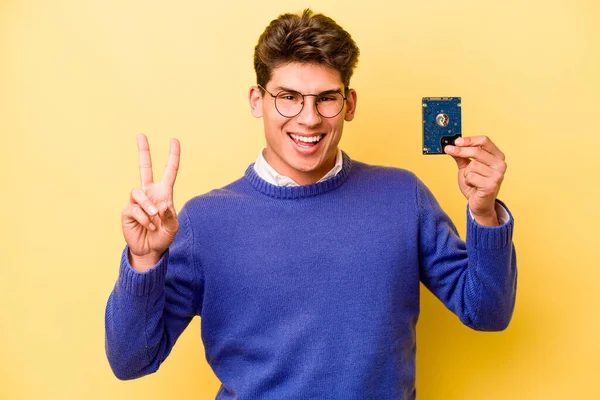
(441, 123)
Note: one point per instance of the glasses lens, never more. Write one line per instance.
(289, 104)
(330, 104)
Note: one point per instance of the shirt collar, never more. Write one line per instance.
(268, 173)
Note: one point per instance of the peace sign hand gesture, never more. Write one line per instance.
(149, 221)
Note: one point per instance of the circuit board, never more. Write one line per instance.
(441, 123)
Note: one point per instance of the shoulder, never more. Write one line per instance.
(220, 199)
(379, 174)
(384, 185)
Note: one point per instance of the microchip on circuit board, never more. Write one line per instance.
(441, 123)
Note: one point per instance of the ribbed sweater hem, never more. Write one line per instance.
(142, 283)
(490, 237)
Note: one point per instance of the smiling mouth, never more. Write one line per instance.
(306, 141)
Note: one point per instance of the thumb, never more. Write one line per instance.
(168, 216)
(461, 162)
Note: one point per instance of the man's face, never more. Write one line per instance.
(291, 148)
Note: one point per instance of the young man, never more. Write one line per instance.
(306, 270)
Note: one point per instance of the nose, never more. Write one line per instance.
(309, 115)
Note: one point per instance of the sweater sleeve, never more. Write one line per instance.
(475, 279)
(146, 312)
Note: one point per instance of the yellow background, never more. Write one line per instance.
(80, 78)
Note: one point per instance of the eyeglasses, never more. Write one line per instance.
(290, 103)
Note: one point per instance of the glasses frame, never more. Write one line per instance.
(274, 96)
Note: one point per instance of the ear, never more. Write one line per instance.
(255, 97)
(350, 105)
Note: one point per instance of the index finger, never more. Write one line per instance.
(481, 141)
(145, 160)
(172, 164)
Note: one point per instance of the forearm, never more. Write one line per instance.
(491, 276)
(134, 320)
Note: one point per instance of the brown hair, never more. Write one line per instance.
(305, 38)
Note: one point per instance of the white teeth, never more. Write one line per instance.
(310, 139)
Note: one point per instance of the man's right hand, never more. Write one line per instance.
(150, 221)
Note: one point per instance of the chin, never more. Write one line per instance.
(306, 166)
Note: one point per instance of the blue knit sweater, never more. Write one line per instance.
(310, 292)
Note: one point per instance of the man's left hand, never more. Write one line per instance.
(481, 169)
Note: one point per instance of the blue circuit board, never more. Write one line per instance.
(441, 123)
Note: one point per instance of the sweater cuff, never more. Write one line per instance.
(142, 283)
(490, 237)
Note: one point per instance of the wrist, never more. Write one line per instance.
(486, 219)
(143, 262)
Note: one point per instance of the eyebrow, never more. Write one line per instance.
(287, 89)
